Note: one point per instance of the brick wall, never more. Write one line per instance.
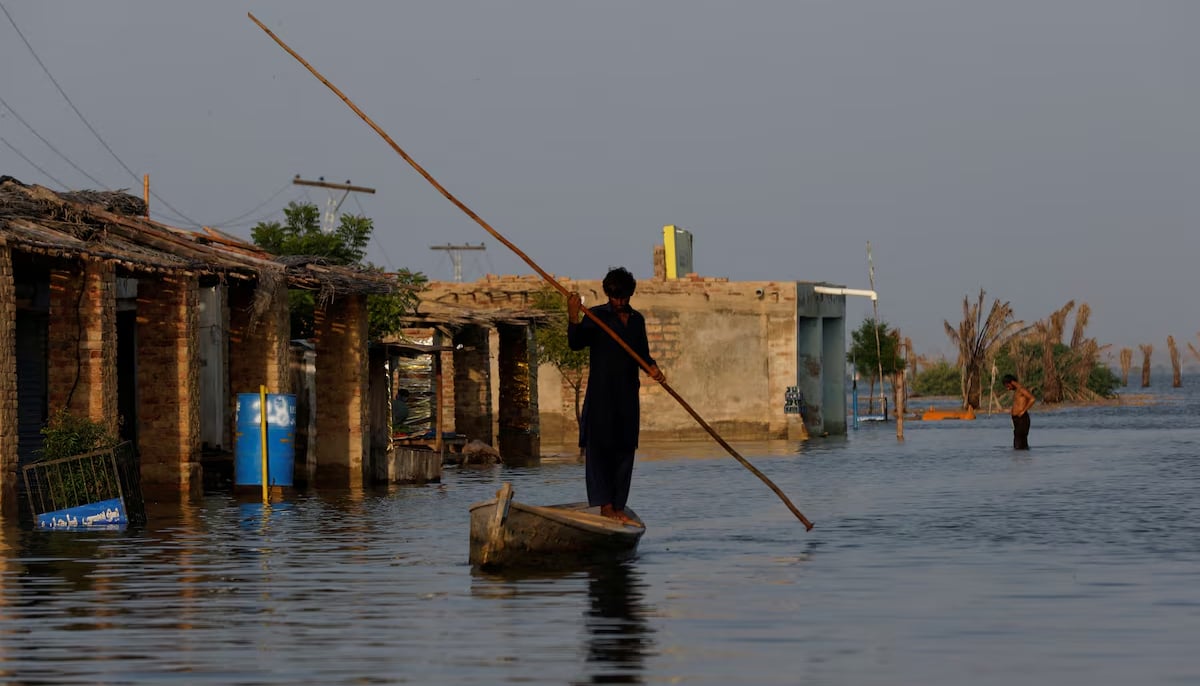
(82, 344)
(258, 346)
(472, 382)
(518, 434)
(8, 386)
(342, 417)
(168, 378)
(729, 348)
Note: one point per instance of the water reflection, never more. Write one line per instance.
(617, 634)
(619, 639)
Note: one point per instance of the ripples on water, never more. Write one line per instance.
(945, 559)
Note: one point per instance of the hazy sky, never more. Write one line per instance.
(1041, 150)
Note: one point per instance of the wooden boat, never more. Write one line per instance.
(933, 414)
(506, 533)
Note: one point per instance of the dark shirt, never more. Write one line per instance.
(611, 412)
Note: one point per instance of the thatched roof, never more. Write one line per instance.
(433, 313)
(110, 226)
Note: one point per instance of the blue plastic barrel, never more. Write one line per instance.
(281, 440)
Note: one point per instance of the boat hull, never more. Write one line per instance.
(548, 536)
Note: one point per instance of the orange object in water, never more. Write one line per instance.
(933, 414)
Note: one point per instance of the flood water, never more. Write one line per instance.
(945, 559)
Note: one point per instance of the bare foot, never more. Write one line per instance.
(624, 518)
(619, 515)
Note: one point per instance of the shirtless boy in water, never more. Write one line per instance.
(1022, 401)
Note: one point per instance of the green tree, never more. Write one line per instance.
(939, 378)
(301, 234)
(1057, 369)
(385, 313)
(551, 340)
(874, 349)
(1081, 377)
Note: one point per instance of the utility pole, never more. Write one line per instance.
(456, 255)
(329, 219)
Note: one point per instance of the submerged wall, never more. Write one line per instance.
(738, 352)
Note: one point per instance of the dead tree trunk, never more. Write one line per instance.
(1126, 363)
(1147, 350)
(1176, 371)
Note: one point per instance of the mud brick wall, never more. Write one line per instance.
(343, 424)
(472, 384)
(729, 348)
(519, 434)
(168, 379)
(82, 343)
(258, 347)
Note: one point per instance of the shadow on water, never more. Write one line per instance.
(618, 637)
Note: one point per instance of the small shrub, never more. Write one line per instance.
(77, 482)
(67, 435)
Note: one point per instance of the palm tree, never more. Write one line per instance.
(1051, 330)
(978, 339)
(1080, 359)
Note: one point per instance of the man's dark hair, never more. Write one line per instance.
(1007, 378)
(619, 283)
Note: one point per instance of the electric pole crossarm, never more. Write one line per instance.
(333, 186)
(456, 256)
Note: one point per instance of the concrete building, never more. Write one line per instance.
(756, 359)
(153, 331)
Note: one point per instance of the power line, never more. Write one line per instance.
(375, 238)
(34, 164)
(84, 119)
(247, 223)
(257, 207)
(51, 145)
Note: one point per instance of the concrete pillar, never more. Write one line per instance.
(472, 384)
(82, 342)
(808, 372)
(9, 424)
(833, 381)
(168, 380)
(519, 434)
(340, 333)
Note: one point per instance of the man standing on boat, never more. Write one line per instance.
(1022, 401)
(608, 430)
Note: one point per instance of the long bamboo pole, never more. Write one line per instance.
(548, 278)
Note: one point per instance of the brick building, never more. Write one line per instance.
(486, 385)
(154, 331)
(757, 360)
